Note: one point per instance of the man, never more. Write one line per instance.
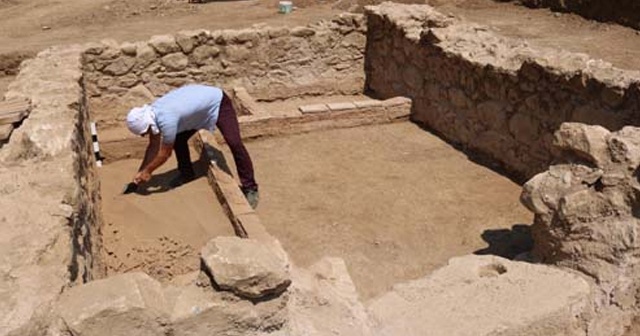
(173, 118)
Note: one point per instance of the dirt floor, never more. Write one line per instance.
(394, 201)
(158, 231)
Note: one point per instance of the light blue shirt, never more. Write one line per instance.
(191, 107)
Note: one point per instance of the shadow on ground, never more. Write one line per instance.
(507, 243)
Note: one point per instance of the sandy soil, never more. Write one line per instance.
(394, 201)
(159, 231)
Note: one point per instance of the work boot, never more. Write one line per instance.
(252, 196)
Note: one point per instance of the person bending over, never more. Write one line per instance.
(173, 118)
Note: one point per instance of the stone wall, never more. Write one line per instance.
(624, 12)
(272, 63)
(492, 95)
(49, 193)
(586, 217)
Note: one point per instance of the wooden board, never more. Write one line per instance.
(13, 111)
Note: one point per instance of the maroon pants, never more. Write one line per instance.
(228, 126)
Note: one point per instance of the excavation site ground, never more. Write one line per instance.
(439, 168)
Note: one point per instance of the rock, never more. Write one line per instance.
(302, 32)
(188, 40)
(196, 310)
(485, 295)
(128, 48)
(175, 61)
(126, 304)
(624, 147)
(137, 96)
(202, 54)
(164, 44)
(146, 55)
(588, 142)
(324, 301)
(120, 66)
(128, 80)
(246, 267)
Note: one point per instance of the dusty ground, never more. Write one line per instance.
(394, 201)
(159, 231)
(29, 26)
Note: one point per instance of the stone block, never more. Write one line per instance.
(589, 142)
(302, 32)
(164, 44)
(202, 54)
(175, 62)
(396, 101)
(485, 295)
(341, 106)
(315, 108)
(246, 267)
(367, 103)
(120, 66)
(128, 48)
(126, 304)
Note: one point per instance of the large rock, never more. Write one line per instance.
(485, 295)
(588, 142)
(323, 301)
(248, 268)
(586, 217)
(175, 61)
(126, 304)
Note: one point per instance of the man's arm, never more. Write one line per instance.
(148, 166)
(152, 150)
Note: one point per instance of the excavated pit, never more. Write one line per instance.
(387, 196)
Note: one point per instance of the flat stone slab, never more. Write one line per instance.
(482, 296)
(341, 106)
(367, 103)
(314, 108)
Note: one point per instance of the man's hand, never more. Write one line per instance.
(142, 176)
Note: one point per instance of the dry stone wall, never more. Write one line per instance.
(586, 217)
(49, 193)
(272, 63)
(624, 12)
(490, 94)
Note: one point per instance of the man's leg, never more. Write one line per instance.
(181, 148)
(228, 126)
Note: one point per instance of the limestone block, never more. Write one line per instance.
(324, 301)
(485, 295)
(246, 35)
(341, 106)
(302, 32)
(196, 310)
(126, 304)
(120, 66)
(128, 80)
(624, 147)
(246, 267)
(202, 54)
(128, 48)
(188, 40)
(278, 32)
(164, 44)
(589, 142)
(175, 62)
(314, 108)
(146, 55)
(367, 103)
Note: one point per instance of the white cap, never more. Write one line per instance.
(140, 119)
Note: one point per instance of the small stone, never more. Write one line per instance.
(46, 27)
(129, 49)
(303, 32)
(164, 44)
(175, 61)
